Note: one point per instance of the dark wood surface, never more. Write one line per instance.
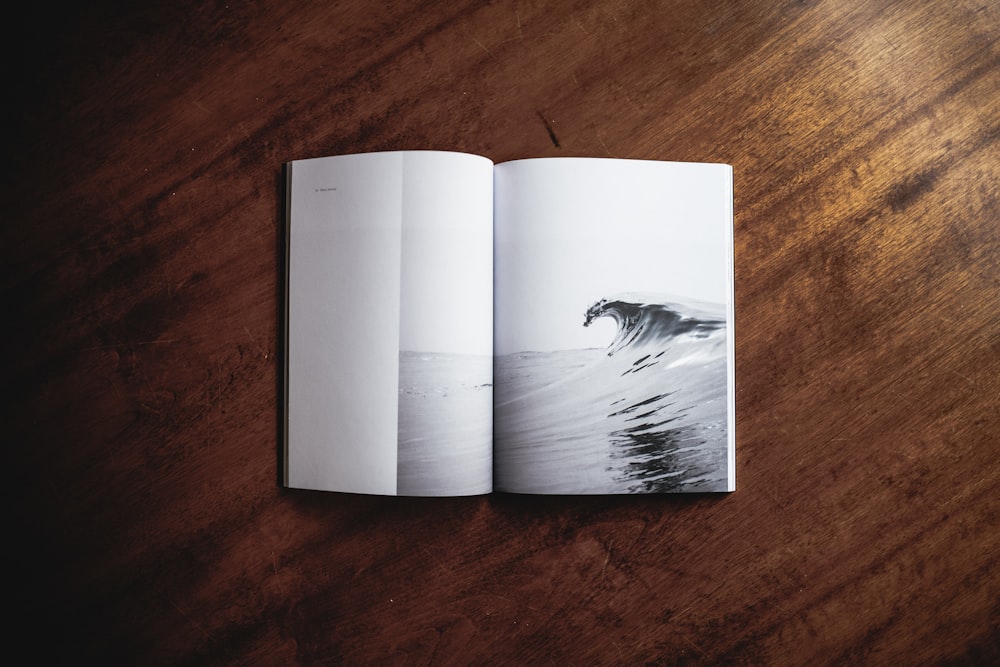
(141, 281)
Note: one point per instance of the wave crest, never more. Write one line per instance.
(646, 321)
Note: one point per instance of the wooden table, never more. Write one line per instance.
(141, 277)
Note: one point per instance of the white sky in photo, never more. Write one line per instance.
(446, 299)
(571, 231)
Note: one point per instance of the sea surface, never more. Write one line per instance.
(445, 424)
(646, 415)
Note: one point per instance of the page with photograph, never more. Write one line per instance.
(446, 326)
(613, 341)
(389, 324)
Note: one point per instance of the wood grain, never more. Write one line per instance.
(142, 270)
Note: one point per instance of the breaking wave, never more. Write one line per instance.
(646, 322)
(647, 414)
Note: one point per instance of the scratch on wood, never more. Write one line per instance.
(437, 561)
(198, 626)
(482, 46)
(548, 128)
(897, 395)
(688, 640)
(604, 145)
(967, 379)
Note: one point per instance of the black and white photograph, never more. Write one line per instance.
(446, 326)
(613, 370)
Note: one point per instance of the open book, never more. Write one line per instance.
(550, 325)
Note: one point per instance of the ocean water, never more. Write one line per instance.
(646, 415)
(445, 424)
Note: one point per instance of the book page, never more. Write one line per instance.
(613, 346)
(342, 341)
(389, 339)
